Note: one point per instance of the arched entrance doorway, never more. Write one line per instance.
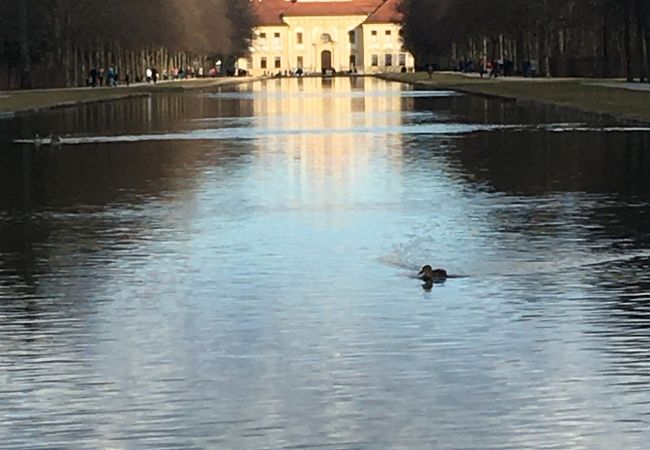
(326, 59)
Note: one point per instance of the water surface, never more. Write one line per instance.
(234, 270)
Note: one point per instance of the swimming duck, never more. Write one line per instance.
(430, 275)
(55, 140)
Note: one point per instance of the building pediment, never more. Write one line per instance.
(274, 12)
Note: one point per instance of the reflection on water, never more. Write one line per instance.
(233, 270)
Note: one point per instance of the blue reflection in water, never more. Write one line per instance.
(251, 286)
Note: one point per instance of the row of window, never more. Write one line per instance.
(352, 37)
(277, 62)
(374, 61)
(276, 39)
(388, 60)
(388, 36)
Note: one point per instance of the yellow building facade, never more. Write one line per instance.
(315, 36)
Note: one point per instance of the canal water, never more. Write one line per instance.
(234, 270)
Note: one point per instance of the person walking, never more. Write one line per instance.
(93, 77)
(110, 77)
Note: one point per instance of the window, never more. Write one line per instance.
(325, 38)
(278, 62)
(263, 62)
(263, 38)
(276, 39)
(299, 38)
(299, 62)
(402, 59)
(373, 36)
(353, 37)
(374, 60)
(388, 60)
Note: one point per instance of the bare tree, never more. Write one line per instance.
(65, 38)
(574, 37)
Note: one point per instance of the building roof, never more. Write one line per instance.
(333, 8)
(388, 12)
(271, 12)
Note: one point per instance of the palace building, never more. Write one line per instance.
(362, 36)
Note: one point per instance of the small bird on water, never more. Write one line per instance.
(37, 141)
(430, 275)
(55, 140)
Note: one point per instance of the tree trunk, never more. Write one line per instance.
(501, 47)
(546, 44)
(78, 67)
(643, 57)
(520, 51)
(605, 44)
(627, 44)
(544, 60)
(70, 64)
(485, 48)
(642, 42)
(25, 54)
(9, 70)
(646, 33)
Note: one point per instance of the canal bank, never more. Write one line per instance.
(27, 101)
(604, 98)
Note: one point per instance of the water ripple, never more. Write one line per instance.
(251, 285)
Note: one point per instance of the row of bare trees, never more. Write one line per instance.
(564, 37)
(47, 43)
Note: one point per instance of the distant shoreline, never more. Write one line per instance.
(604, 98)
(13, 103)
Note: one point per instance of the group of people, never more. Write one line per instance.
(281, 74)
(490, 67)
(495, 68)
(112, 77)
(529, 68)
(101, 77)
(151, 75)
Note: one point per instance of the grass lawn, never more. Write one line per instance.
(34, 99)
(42, 99)
(578, 94)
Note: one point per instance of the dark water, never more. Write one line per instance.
(233, 271)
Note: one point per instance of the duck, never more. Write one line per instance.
(55, 140)
(37, 141)
(430, 275)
